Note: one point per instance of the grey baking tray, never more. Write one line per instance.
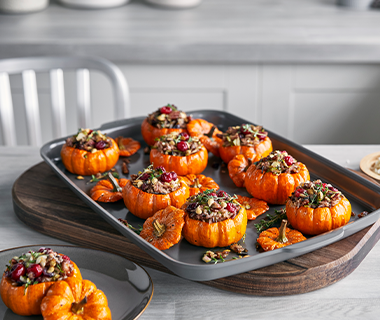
(184, 259)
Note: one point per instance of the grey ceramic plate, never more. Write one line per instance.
(128, 287)
(184, 259)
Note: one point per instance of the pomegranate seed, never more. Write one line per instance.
(182, 146)
(166, 177)
(213, 194)
(230, 207)
(244, 130)
(145, 176)
(261, 136)
(174, 175)
(333, 189)
(166, 110)
(19, 271)
(185, 136)
(289, 160)
(36, 269)
(298, 192)
(222, 194)
(161, 168)
(65, 258)
(100, 145)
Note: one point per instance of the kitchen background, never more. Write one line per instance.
(308, 70)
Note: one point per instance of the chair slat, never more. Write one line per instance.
(32, 107)
(58, 103)
(6, 111)
(83, 98)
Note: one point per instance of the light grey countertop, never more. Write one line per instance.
(355, 297)
(217, 31)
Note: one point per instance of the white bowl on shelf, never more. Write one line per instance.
(93, 4)
(22, 6)
(179, 4)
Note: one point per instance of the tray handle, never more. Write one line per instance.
(315, 242)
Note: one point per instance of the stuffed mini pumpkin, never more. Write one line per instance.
(251, 141)
(275, 177)
(180, 153)
(213, 219)
(75, 299)
(316, 207)
(165, 120)
(154, 189)
(29, 276)
(89, 152)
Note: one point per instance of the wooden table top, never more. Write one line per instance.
(355, 297)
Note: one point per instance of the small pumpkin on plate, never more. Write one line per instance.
(275, 177)
(180, 153)
(199, 183)
(75, 299)
(253, 206)
(108, 190)
(207, 134)
(275, 238)
(164, 229)
(213, 219)
(127, 146)
(28, 277)
(251, 141)
(165, 120)
(89, 152)
(316, 207)
(154, 189)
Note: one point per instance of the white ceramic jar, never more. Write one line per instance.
(93, 4)
(22, 6)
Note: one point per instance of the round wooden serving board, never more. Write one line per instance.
(43, 202)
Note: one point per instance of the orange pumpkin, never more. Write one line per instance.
(85, 163)
(217, 234)
(127, 146)
(253, 206)
(275, 238)
(106, 191)
(150, 133)
(271, 187)
(254, 153)
(75, 299)
(194, 163)
(145, 205)
(318, 220)
(27, 302)
(199, 183)
(164, 229)
(237, 169)
(202, 129)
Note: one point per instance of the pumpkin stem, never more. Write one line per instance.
(282, 232)
(197, 184)
(78, 307)
(159, 229)
(211, 132)
(115, 185)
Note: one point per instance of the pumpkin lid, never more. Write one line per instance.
(278, 162)
(156, 180)
(178, 144)
(169, 117)
(211, 206)
(89, 140)
(35, 267)
(315, 194)
(245, 135)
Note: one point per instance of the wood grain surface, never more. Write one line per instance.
(44, 203)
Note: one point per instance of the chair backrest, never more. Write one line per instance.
(28, 67)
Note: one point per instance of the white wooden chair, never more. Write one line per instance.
(28, 67)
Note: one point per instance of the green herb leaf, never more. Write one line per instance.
(270, 220)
